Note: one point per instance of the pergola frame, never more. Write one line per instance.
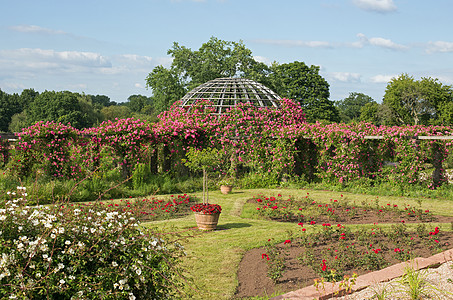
(225, 93)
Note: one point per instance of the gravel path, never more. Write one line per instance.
(438, 284)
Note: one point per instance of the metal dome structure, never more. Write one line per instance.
(224, 93)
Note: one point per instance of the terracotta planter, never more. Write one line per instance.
(226, 189)
(207, 222)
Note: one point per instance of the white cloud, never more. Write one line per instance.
(13, 86)
(439, 46)
(73, 70)
(295, 43)
(378, 42)
(380, 6)
(35, 29)
(45, 59)
(344, 76)
(382, 78)
(263, 59)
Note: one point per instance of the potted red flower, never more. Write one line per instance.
(206, 215)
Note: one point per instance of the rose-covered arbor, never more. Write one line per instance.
(269, 140)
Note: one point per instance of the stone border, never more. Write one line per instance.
(364, 281)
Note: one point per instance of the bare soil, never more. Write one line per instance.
(252, 273)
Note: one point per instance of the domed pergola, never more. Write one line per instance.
(224, 93)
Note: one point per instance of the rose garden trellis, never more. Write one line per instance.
(336, 152)
(257, 130)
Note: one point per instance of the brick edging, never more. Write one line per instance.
(368, 279)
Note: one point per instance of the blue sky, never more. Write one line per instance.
(108, 47)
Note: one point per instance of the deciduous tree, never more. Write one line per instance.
(303, 84)
(417, 102)
(350, 107)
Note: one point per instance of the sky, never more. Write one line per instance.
(108, 47)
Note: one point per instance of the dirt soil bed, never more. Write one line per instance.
(253, 270)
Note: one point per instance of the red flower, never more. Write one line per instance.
(324, 266)
(287, 242)
(206, 208)
(301, 224)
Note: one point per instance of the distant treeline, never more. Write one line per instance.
(18, 111)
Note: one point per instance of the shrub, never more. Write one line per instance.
(82, 252)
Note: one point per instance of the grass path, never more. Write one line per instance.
(213, 257)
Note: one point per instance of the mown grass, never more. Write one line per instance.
(213, 257)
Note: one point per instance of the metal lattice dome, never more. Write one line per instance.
(224, 93)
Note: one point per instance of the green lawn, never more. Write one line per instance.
(213, 257)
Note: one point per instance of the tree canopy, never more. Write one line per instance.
(415, 102)
(303, 84)
(9, 105)
(217, 58)
(351, 106)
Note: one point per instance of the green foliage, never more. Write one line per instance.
(167, 87)
(115, 112)
(215, 58)
(302, 83)
(9, 106)
(100, 101)
(258, 180)
(275, 258)
(207, 158)
(415, 285)
(50, 252)
(18, 122)
(60, 107)
(352, 105)
(415, 102)
(141, 175)
(138, 102)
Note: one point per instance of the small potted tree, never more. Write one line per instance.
(226, 185)
(206, 214)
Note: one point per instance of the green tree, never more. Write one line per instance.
(61, 107)
(167, 87)
(138, 102)
(215, 58)
(100, 101)
(18, 122)
(302, 83)
(115, 112)
(415, 102)
(91, 115)
(27, 97)
(350, 107)
(9, 106)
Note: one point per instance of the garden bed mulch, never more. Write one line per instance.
(253, 269)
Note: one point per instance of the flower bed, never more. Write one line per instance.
(87, 251)
(306, 210)
(154, 209)
(331, 250)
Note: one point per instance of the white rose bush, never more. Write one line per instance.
(86, 251)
